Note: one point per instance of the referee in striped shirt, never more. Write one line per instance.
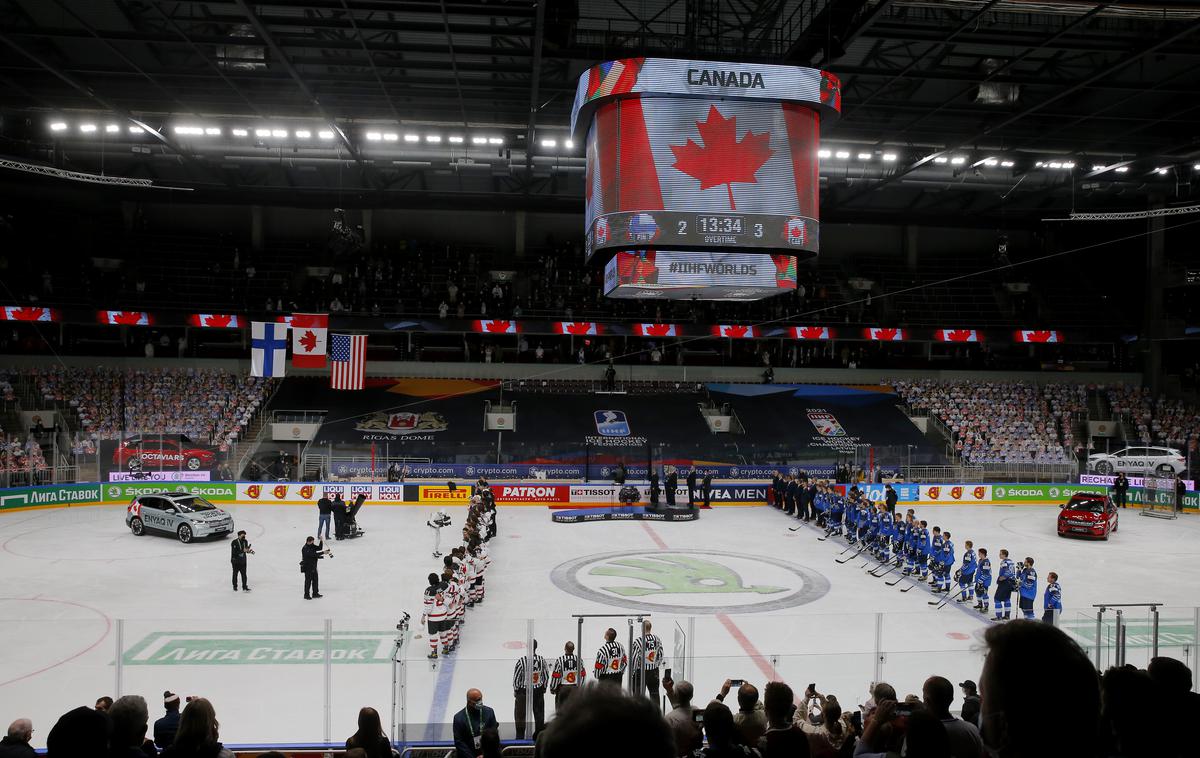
(522, 680)
(611, 660)
(648, 652)
(567, 677)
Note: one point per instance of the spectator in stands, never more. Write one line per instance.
(78, 732)
(828, 729)
(370, 737)
(166, 727)
(783, 737)
(601, 722)
(970, 706)
(103, 703)
(925, 735)
(129, 719)
(681, 718)
(198, 736)
(965, 742)
(16, 743)
(1014, 706)
(750, 720)
(722, 735)
(469, 724)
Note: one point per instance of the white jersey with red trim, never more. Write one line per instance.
(435, 602)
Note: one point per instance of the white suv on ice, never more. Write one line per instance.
(1163, 461)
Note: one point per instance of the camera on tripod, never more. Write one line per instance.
(402, 624)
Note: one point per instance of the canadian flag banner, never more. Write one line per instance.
(576, 327)
(216, 320)
(735, 331)
(1037, 335)
(958, 335)
(812, 333)
(656, 330)
(124, 318)
(881, 334)
(26, 313)
(310, 338)
(496, 327)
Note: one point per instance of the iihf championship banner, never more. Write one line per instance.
(678, 274)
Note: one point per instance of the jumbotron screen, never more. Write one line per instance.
(706, 275)
(706, 161)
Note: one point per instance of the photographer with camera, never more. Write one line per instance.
(238, 550)
(821, 718)
(309, 555)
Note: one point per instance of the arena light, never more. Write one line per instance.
(239, 132)
(889, 157)
(112, 128)
(1007, 164)
(266, 133)
(1196, 167)
(479, 140)
(1161, 170)
(412, 138)
(1098, 167)
(303, 134)
(549, 143)
(433, 138)
(374, 136)
(1068, 165)
(569, 144)
(495, 140)
(135, 129)
(1054, 164)
(842, 155)
(58, 126)
(391, 137)
(213, 131)
(279, 133)
(1039, 164)
(454, 139)
(87, 128)
(864, 156)
(824, 153)
(957, 160)
(941, 159)
(1122, 169)
(325, 134)
(991, 162)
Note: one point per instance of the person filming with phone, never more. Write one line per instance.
(750, 721)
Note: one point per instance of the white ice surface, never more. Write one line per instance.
(69, 575)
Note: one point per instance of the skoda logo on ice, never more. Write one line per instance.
(114, 492)
(998, 491)
(690, 581)
(1054, 492)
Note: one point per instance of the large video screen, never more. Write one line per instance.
(697, 174)
(707, 275)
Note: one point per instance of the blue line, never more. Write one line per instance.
(441, 696)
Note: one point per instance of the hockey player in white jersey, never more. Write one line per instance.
(434, 615)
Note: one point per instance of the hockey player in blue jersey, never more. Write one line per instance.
(851, 520)
(873, 526)
(1028, 579)
(1006, 582)
(1052, 599)
(910, 546)
(864, 521)
(935, 556)
(883, 533)
(923, 548)
(966, 578)
(947, 564)
(899, 533)
(833, 523)
(983, 581)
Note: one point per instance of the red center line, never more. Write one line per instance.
(730, 626)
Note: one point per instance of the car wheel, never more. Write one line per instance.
(1104, 468)
(185, 534)
(193, 464)
(137, 527)
(1164, 469)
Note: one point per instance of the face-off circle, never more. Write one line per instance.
(690, 581)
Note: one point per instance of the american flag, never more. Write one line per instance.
(348, 355)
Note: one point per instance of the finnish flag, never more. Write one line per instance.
(268, 348)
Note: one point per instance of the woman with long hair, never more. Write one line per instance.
(198, 735)
(370, 736)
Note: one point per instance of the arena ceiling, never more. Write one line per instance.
(966, 107)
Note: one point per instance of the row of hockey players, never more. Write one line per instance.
(927, 554)
(460, 585)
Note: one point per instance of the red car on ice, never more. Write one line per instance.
(168, 451)
(1087, 514)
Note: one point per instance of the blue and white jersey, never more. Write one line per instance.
(1008, 571)
(1029, 582)
(923, 542)
(983, 574)
(948, 553)
(935, 545)
(968, 562)
(1053, 596)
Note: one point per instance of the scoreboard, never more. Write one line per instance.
(698, 159)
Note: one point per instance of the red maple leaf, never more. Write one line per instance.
(308, 341)
(218, 320)
(723, 160)
(657, 330)
(958, 335)
(885, 334)
(497, 326)
(812, 332)
(582, 327)
(126, 317)
(27, 314)
(1038, 336)
(736, 331)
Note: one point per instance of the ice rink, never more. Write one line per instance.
(755, 600)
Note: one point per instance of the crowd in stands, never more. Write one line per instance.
(1158, 421)
(211, 406)
(998, 422)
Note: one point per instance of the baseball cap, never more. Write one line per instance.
(969, 685)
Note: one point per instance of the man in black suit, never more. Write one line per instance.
(810, 493)
(655, 491)
(706, 489)
(469, 725)
(309, 555)
(691, 483)
(790, 492)
(1120, 489)
(672, 484)
(777, 491)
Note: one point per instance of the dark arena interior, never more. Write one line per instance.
(670, 343)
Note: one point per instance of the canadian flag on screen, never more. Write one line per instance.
(1038, 335)
(576, 327)
(124, 318)
(26, 313)
(216, 320)
(884, 334)
(957, 335)
(811, 333)
(310, 336)
(735, 331)
(655, 330)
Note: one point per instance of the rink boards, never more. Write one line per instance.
(536, 493)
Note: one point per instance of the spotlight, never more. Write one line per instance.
(325, 134)
(267, 133)
(279, 133)
(957, 160)
(1122, 169)
(824, 153)
(454, 139)
(941, 159)
(87, 128)
(391, 137)
(479, 140)
(58, 126)
(1006, 164)
(842, 155)
(303, 134)
(889, 157)
(569, 144)
(864, 156)
(213, 131)
(412, 138)
(433, 138)
(240, 132)
(112, 128)
(549, 143)
(374, 136)
(495, 141)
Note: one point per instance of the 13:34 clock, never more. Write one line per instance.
(720, 224)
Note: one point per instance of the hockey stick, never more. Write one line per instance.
(847, 560)
(891, 568)
(899, 579)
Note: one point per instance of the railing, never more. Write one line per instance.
(951, 473)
